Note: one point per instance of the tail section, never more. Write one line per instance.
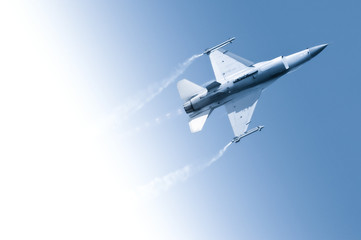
(187, 89)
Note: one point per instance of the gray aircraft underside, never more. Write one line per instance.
(238, 86)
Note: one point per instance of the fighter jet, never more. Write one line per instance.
(238, 86)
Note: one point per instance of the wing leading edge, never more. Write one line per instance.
(240, 110)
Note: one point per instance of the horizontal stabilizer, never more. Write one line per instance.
(197, 122)
(187, 89)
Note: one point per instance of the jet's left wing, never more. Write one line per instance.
(240, 110)
(225, 64)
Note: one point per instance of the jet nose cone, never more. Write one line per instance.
(317, 49)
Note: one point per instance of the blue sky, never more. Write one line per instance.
(75, 159)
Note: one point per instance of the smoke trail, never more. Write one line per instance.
(137, 102)
(158, 185)
(163, 184)
(166, 82)
(156, 121)
(134, 105)
(218, 156)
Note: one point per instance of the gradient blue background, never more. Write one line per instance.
(297, 179)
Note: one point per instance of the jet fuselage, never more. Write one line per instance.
(259, 75)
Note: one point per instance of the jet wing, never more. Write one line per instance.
(225, 64)
(197, 122)
(240, 110)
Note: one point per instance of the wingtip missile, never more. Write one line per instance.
(209, 50)
(253, 130)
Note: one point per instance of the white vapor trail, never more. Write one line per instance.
(134, 105)
(166, 82)
(218, 156)
(158, 185)
(155, 121)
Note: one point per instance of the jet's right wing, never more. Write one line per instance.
(225, 64)
(240, 110)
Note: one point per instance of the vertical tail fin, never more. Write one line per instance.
(187, 89)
